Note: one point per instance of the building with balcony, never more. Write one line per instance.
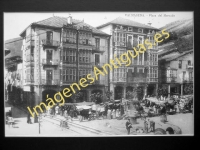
(59, 51)
(143, 71)
(176, 72)
(13, 71)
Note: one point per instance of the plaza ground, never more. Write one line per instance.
(113, 127)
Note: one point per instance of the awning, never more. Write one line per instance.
(85, 103)
(83, 107)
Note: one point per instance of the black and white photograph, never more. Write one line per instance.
(98, 74)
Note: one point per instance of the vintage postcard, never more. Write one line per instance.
(80, 74)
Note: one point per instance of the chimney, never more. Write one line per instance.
(69, 20)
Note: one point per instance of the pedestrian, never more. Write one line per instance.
(109, 113)
(145, 126)
(65, 113)
(128, 126)
(29, 118)
(163, 117)
(152, 125)
(57, 109)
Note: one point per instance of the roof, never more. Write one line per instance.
(14, 54)
(123, 21)
(58, 22)
(175, 55)
(14, 45)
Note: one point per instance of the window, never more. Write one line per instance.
(97, 59)
(97, 43)
(29, 75)
(120, 39)
(190, 76)
(84, 56)
(130, 29)
(140, 70)
(85, 38)
(69, 36)
(49, 36)
(173, 73)
(189, 62)
(83, 73)
(120, 74)
(180, 64)
(140, 30)
(30, 55)
(153, 74)
(153, 59)
(69, 55)
(119, 52)
(184, 73)
(69, 75)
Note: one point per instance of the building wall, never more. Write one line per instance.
(175, 64)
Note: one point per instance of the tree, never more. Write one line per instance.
(109, 94)
(96, 97)
(77, 96)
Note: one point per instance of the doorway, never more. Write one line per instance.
(49, 77)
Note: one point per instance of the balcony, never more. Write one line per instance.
(152, 79)
(119, 79)
(136, 80)
(139, 63)
(152, 63)
(171, 79)
(96, 64)
(50, 43)
(99, 82)
(189, 67)
(50, 82)
(50, 62)
(122, 44)
(29, 81)
(100, 49)
(153, 46)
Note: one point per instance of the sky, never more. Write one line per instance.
(15, 23)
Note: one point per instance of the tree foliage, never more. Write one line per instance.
(96, 97)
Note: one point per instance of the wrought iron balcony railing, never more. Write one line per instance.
(189, 66)
(50, 61)
(28, 81)
(171, 79)
(50, 82)
(96, 64)
(152, 79)
(119, 79)
(136, 79)
(50, 43)
(98, 49)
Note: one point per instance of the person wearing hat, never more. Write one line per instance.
(128, 126)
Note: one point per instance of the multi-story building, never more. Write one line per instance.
(59, 51)
(13, 71)
(176, 71)
(143, 71)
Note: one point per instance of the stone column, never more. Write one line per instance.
(169, 91)
(89, 93)
(112, 88)
(124, 92)
(156, 89)
(181, 89)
